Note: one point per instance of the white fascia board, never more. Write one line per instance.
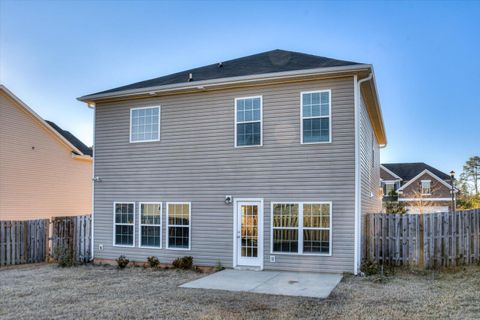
(426, 171)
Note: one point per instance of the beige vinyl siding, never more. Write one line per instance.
(38, 176)
(370, 174)
(371, 199)
(196, 161)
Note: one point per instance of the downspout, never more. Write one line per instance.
(358, 178)
(92, 224)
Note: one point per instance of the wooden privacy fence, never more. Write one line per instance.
(424, 240)
(23, 241)
(72, 235)
(28, 241)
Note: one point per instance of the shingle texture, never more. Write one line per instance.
(265, 62)
(71, 138)
(408, 171)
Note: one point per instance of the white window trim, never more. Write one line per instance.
(261, 122)
(421, 187)
(159, 123)
(301, 228)
(123, 224)
(189, 227)
(140, 225)
(329, 116)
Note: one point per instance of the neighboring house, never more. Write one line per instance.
(421, 187)
(44, 171)
(263, 162)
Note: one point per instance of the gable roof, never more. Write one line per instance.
(261, 63)
(71, 138)
(65, 137)
(408, 171)
(428, 172)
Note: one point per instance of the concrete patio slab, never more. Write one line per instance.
(304, 284)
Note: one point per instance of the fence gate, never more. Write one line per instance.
(71, 236)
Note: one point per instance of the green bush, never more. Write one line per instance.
(122, 262)
(219, 266)
(183, 263)
(370, 268)
(153, 262)
(65, 257)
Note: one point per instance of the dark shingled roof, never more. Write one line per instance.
(71, 138)
(265, 62)
(407, 171)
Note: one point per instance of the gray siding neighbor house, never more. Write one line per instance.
(264, 162)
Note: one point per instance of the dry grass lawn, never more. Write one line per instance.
(49, 292)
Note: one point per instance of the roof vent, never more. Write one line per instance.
(220, 64)
(190, 77)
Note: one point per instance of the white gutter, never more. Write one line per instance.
(358, 178)
(225, 81)
(92, 224)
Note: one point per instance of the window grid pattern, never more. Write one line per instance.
(316, 228)
(145, 124)
(285, 227)
(178, 226)
(301, 228)
(151, 225)
(389, 188)
(316, 117)
(426, 187)
(249, 231)
(124, 222)
(248, 121)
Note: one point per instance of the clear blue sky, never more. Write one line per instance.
(426, 57)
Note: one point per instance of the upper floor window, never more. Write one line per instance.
(145, 124)
(316, 117)
(248, 121)
(389, 188)
(426, 187)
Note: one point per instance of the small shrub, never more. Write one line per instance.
(183, 263)
(219, 266)
(122, 262)
(153, 262)
(370, 268)
(65, 257)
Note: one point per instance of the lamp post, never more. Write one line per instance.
(452, 179)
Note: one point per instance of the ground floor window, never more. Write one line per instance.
(150, 225)
(178, 225)
(301, 227)
(124, 222)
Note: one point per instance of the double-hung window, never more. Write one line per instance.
(302, 228)
(248, 121)
(124, 222)
(316, 117)
(150, 225)
(145, 124)
(178, 225)
(426, 187)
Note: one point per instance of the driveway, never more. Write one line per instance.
(296, 284)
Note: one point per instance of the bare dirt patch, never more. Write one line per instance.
(49, 292)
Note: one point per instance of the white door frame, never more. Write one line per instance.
(260, 230)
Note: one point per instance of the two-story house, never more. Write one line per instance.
(263, 162)
(45, 171)
(422, 188)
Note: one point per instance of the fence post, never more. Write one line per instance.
(421, 243)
